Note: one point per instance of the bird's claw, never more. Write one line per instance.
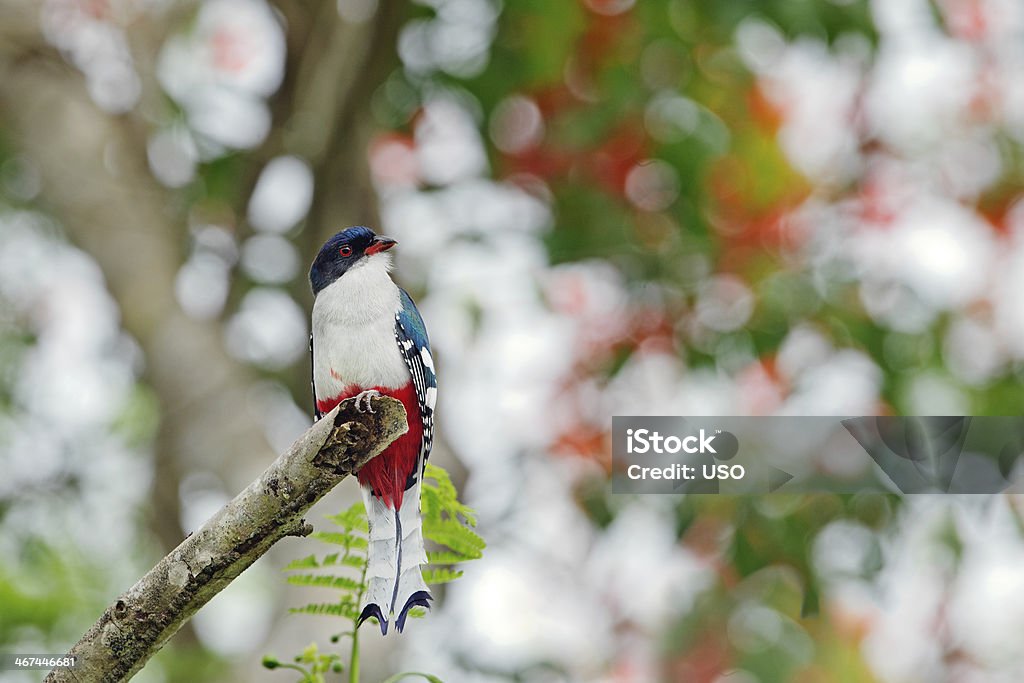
(366, 396)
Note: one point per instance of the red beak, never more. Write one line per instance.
(378, 245)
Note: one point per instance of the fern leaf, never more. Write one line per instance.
(308, 562)
(456, 537)
(448, 495)
(447, 557)
(347, 540)
(331, 609)
(443, 482)
(435, 506)
(446, 523)
(440, 575)
(353, 518)
(326, 581)
(354, 560)
(430, 503)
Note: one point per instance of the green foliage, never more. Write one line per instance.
(137, 422)
(342, 582)
(351, 535)
(311, 663)
(447, 525)
(37, 590)
(345, 608)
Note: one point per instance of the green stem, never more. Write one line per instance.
(295, 667)
(353, 661)
(353, 664)
(406, 674)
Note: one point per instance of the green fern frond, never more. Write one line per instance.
(446, 523)
(435, 510)
(354, 560)
(348, 540)
(446, 557)
(456, 537)
(439, 495)
(326, 581)
(431, 503)
(308, 562)
(346, 610)
(442, 482)
(438, 575)
(353, 518)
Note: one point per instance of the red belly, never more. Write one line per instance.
(388, 473)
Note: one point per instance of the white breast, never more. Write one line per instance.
(354, 331)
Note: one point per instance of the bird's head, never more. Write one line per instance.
(349, 249)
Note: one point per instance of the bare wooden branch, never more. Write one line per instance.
(140, 621)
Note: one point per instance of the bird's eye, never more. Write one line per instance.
(345, 250)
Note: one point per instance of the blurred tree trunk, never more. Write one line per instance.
(96, 180)
(322, 114)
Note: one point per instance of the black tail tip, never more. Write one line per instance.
(373, 610)
(417, 599)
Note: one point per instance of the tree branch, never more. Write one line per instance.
(140, 621)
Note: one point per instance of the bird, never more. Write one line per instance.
(368, 340)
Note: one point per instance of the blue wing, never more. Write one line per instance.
(411, 334)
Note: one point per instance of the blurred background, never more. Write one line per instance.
(603, 207)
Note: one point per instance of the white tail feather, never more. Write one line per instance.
(394, 580)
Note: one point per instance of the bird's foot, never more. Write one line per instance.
(366, 396)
